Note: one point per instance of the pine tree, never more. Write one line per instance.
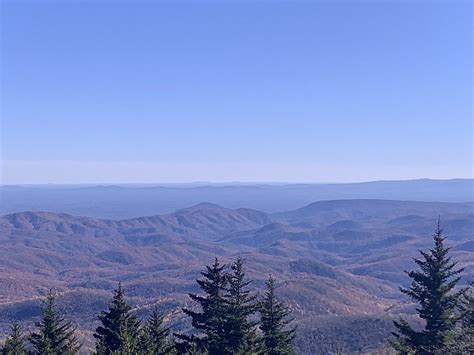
(210, 322)
(154, 339)
(277, 338)
(14, 344)
(54, 335)
(241, 305)
(464, 343)
(119, 332)
(432, 287)
(100, 347)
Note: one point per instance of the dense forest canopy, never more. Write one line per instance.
(228, 318)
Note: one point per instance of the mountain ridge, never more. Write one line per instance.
(127, 201)
(332, 258)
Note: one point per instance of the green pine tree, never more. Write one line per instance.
(210, 321)
(432, 288)
(100, 347)
(15, 342)
(120, 329)
(54, 335)
(155, 337)
(129, 342)
(277, 337)
(464, 343)
(189, 345)
(241, 305)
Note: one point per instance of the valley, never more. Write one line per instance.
(338, 263)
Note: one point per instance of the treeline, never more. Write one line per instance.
(230, 319)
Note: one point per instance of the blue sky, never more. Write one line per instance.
(108, 91)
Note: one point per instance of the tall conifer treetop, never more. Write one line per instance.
(15, 342)
(54, 335)
(241, 305)
(277, 339)
(154, 338)
(210, 321)
(432, 288)
(119, 331)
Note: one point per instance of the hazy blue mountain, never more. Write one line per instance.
(127, 201)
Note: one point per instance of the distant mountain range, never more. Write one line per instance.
(126, 201)
(339, 263)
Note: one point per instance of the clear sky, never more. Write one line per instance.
(109, 91)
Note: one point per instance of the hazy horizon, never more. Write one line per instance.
(228, 183)
(57, 172)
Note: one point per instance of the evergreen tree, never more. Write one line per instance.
(432, 287)
(154, 339)
(240, 330)
(14, 344)
(100, 347)
(277, 338)
(210, 322)
(120, 329)
(54, 335)
(190, 348)
(464, 343)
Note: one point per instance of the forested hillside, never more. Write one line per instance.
(338, 264)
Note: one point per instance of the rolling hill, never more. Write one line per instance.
(339, 260)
